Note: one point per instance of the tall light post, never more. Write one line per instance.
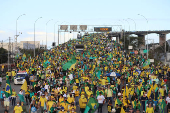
(16, 32)
(54, 30)
(34, 34)
(59, 33)
(147, 31)
(65, 30)
(123, 32)
(46, 32)
(129, 28)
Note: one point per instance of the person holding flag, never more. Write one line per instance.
(8, 93)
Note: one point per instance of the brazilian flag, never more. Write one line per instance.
(146, 64)
(92, 105)
(8, 90)
(70, 64)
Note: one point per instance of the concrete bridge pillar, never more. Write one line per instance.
(143, 40)
(117, 39)
(162, 38)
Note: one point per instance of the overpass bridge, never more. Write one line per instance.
(162, 34)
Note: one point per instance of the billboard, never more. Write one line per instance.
(102, 29)
(83, 27)
(63, 27)
(73, 27)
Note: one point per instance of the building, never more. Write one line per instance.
(22, 45)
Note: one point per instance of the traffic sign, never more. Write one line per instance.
(136, 52)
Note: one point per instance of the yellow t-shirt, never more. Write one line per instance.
(14, 94)
(74, 88)
(65, 105)
(149, 110)
(71, 107)
(89, 93)
(162, 92)
(77, 80)
(70, 99)
(18, 109)
(61, 99)
(108, 92)
(27, 93)
(103, 82)
(118, 81)
(42, 100)
(13, 73)
(86, 88)
(76, 93)
(50, 104)
(82, 102)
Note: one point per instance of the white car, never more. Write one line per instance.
(20, 78)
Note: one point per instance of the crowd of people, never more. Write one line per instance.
(67, 80)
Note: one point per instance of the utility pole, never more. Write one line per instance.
(9, 48)
(165, 49)
(12, 54)
(2, 43)
(27, 45)
(58, 35)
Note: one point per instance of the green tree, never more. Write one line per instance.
(136, 42)
(3, 55)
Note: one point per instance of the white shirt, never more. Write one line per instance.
(46, 86)
(100, 99)
(0, 79)
(58, 88)
(21, 93)
(64, 95)
(168, 100)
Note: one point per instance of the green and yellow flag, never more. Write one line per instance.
(24, 86)
(70, 64)
(8, 90)
(91, 104)
(146, 64)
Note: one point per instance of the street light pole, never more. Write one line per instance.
(129, 29)
(16, 32)
(59, 32)
(34, 34)
(46, 32)
(147, 32)
(123, 32)
(54, 31)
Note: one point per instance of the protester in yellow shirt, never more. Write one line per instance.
(70, 99)
(13, 97)
(64, 104)
(49, 104)
(162, 91)
(77, 96)
(149, 109)
(17, 108)
(42, 102)
(72, 107)
(82, 103)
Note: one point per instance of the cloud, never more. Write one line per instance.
(2, 31)
(37, 33)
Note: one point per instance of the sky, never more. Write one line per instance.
(77, 12)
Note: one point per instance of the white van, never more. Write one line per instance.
(20, 77)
